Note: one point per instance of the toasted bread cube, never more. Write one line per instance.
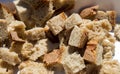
(72, 62)
(78, 37)
(72, 20)
(15, 36)
(56, 24)
(93, 52)
(18, 27)
(46, 7)
(23, 12)
(5, 13)
(3, 30)
(42, 47)
(35, 33)
(9, 57)
(112, 17)
(52, 58)
(90, 12)
(16, 47)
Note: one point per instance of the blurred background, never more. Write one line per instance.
(104, 5)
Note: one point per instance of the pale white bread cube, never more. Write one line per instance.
(26, 49)
(108, 55)
(78, 37)
(73, 63)
(105, 24)
(4, 71)
(9, 57)
(101, 15)
(108, 46)
(110, 67)
(16, 26)
(72, 20)
(30, 67)
(56, 24)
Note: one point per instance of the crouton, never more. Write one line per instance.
(110, 67)
(112, 17)
(6, 14)
(72, 20)
(78, 37)
(101, 15)
(17, 26)
(108, 46)
(16, 47)
(64, 57)
(4, 71)
(53, 57)
(3, 30)
(5, 68)
(35, 33)
(73, 63)
(46, 6)
(117, 32)
(23, 12)
(42, 47)
(29, 67)
(89, 12)
(108, 55)
(26, 50)
(15, 37)
(56, 24)
(105, 24)
(9, 57)
(93, 52)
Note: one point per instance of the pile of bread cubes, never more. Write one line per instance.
(40, 38)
